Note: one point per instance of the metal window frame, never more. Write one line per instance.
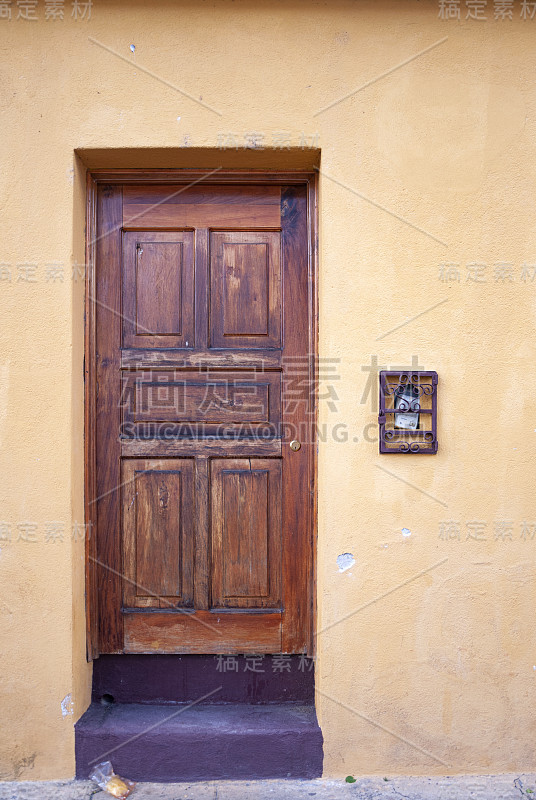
(408, 441)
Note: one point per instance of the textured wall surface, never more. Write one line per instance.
(426, 660)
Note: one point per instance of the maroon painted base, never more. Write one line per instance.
(260, 723)
(183, 679)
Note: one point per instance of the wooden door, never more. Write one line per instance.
(201, 342)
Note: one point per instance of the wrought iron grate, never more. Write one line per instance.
(408, 412)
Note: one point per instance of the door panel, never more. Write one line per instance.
(246, 533)
(158, 533)
(245, 289)
(157, 402)
(177, 206)
(204, 632)
(158, 290)
(204, 538)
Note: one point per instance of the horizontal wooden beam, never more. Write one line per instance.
(202, 632)
(260, 360)
(189, 448)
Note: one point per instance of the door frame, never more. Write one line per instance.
(190, 176)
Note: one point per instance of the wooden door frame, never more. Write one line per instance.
(189, 176)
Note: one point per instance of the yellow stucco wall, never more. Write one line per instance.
(435, 670)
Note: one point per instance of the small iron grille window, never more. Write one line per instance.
(408, 412)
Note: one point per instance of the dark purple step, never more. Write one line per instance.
(184, 678)
(202, 742)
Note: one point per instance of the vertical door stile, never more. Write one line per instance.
(201, 289)
(296, 536)
(202, 521)
(108, 339)
(202, 534)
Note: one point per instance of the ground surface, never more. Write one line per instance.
(499, 787)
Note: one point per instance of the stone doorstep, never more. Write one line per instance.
(202, 742)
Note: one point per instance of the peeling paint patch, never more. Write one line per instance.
(67, 705)
(345, 561)
(406, 532)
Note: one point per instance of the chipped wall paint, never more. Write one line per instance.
(67, 707)
(345, 561)
(425, 658)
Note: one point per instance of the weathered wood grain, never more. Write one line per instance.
(202, 632)
(214, 519)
